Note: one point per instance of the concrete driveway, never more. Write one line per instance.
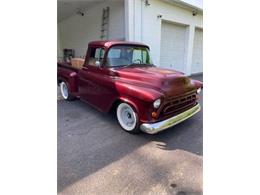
(95, 156)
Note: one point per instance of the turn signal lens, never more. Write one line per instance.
(154, 114)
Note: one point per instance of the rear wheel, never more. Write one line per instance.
(64, 89)
(127, 118)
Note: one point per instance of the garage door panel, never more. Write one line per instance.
(197, 55)
(172, 46)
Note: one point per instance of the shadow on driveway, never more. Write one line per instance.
(89, 141)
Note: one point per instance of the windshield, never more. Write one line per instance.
(124, 55)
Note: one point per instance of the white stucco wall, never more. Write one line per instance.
(77, 31)
(59, 45)
(145, 26)
(131, 20)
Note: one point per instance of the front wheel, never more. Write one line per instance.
(64, 89)
(127, 118)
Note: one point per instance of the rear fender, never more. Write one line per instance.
(71, 80)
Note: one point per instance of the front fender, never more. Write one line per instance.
(197, 83)
(143, 93)
(130, 101)
(142, 108)
(141, 98)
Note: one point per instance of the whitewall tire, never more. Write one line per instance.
(65, 93)
(127, 118)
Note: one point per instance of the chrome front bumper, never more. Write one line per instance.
(153, 128)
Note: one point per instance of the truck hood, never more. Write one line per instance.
(168, 82)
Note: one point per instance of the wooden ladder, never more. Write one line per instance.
(105, 24)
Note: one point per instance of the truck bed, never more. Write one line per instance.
(68, 66)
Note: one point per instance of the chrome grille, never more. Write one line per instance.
(175, 104)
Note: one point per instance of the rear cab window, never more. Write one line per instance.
(96, 55)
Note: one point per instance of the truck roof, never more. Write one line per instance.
(109, 43)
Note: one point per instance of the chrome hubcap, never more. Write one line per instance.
(126, 116)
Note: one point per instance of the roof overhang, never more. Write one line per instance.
(67, 8)
(185, 5)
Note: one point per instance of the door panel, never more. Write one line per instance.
(97, 87)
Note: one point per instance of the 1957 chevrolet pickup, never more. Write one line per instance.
(120, 75)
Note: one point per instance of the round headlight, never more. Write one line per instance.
(198, 90)
(157, 103)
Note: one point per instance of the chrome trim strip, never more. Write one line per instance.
(153, 128)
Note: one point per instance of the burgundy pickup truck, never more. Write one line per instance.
(120, 75)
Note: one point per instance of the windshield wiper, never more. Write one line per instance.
(142, 64)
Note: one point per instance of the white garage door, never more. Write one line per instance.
(197, 55)
(172, 46)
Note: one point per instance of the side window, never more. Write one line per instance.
(96, 54)
(99, 53)
(140, 56)
(137, 56)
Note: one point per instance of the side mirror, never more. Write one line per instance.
(97, 63)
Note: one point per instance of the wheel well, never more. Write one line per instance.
(117, 102)
(114, 106)
(59, 81)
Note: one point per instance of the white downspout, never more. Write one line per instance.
(142, 20)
